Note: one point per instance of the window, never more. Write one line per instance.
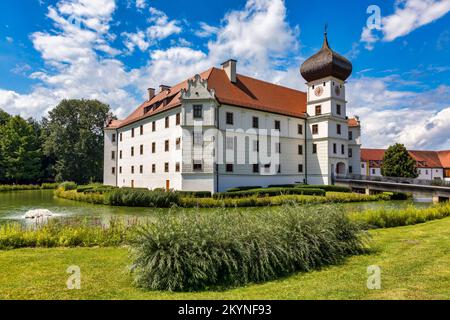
(132, 151)
(338, 129)
(178, 119)
(142, 149)
(120, 170)
(120, 154)
(198, 112)
(114, 137)
(256, 168)
(154, 147)
(255, 122)
(447, 173)
(350, 152)
(154, 126)
(350, 169)
(277, 125)
(230, 118)
(198, 138)
(141, 169)
(132, 133)
(314, 148)
(142, 130)
(177, 167)
(166, 167)
(318, 110)
(121, 136)
(334, 148)
(230, 143)
(338, 109)
(178, 143)
(315, 129)
(230, 167)
(198, 166)
(350, 135)
(132, 169)
(113, 155)
(300, 149)
(167, 122)
(300, 168)
(300, 129)
(342, 149)
(113, 170)
(153, 168)
(166, 145)
(373, 171)
(278, 147)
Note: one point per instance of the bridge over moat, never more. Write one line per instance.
(439, 191)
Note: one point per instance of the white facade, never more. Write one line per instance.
(424, 173)
(220, 148)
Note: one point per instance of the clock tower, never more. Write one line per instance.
(326, 73)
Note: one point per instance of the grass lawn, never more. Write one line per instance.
(415, 264)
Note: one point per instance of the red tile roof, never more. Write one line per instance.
(444, 157)
(425, 159)
(246, 92)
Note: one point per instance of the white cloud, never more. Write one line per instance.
(9, 39)
(141, 4)
(161, 27)
(138, 39)
(419, 120)
(206, 30)
(407, 17)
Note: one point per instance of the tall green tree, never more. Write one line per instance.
(75, 139)
(20, 151)
(398, 162)
(4, 117)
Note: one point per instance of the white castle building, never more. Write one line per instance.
(220, 129)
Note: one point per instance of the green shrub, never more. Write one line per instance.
(67, 233)
(192, 252)
(142, 198)
(68, 186)
(94, 198)
(18, 187)
(326, 188)
(390, 218)
(398, 195)
(195, 194)
(282, 186)
(49, 186)
(243, 188)
(269, 192)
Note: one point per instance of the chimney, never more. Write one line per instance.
(230, 69)
(151, 93)
(163, 88)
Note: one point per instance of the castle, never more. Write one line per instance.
(220, 129)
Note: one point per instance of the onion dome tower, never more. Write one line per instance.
(326, 63)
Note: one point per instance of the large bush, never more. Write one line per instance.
(67, 233)
(142, 198)
(193, 252)
(270, 192)
(68, 186)
(390, 218)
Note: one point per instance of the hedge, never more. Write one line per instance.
(243, 188)
(195, 194)
(270, 192)
(326, 188)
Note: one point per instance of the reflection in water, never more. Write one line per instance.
(14, 206)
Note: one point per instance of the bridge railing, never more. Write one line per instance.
(437, 183)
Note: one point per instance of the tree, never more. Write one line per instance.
(4, 117)
(75, 139)
(20, 151)
(398, 162)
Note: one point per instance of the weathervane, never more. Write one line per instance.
(326, 28)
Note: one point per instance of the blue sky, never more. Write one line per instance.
(113, 50)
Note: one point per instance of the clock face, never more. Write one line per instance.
(318, 92)
(338, 91)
